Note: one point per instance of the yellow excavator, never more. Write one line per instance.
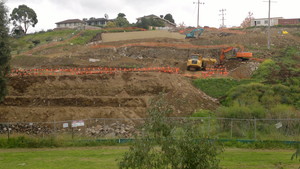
(197, 62)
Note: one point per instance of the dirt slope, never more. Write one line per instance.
(122, 95)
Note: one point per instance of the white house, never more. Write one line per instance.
(265, 21)
(70, 23)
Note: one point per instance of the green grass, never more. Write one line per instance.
(106, 158)
(218, 87)
(85, 37)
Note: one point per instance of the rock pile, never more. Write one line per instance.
(27, 128)
(113, 130)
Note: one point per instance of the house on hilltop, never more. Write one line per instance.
(98, 21)
(70, 23)
(265, 21)
(168, 24)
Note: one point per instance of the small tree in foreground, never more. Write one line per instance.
(4, 50)
(164, 144)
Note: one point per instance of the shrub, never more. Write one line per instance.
(36, 42)
(266, 71)
(242, 111)
(166, 145)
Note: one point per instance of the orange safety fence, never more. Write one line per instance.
(209, 72)
(89, 70)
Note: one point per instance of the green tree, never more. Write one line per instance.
(146, 22)
(167, 144)
(121, 15)
(169, 17)
(121, 21)
(23, 16)
(4, 50)
(111, 24)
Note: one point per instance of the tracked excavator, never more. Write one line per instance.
(191, 34)
(237, 53)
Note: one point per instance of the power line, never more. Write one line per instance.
(198, 3)
(223, 17)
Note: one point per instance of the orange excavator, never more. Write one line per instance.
(237, 52)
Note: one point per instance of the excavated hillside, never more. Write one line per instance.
(120, 95)
(126, 94)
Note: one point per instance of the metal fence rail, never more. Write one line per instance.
(104, 128)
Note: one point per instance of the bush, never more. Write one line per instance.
(266, 95)
(166, 145)
(242, 111)
(266, 70)
(36, 42)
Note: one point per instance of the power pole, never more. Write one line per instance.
(198, 3)
(269, 24)
(223, 18)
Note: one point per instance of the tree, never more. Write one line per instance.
(146, 22)
(247, 21)
(121, 21)
(121, 15)
(4, 50)
(169, 144)
(111, 24)
(23, 16)
(169, 17)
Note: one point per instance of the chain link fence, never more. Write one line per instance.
(93, 129)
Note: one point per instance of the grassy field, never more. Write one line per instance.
(106, 158)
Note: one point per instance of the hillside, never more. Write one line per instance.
(57, 96)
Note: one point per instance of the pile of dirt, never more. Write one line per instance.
(121, 95)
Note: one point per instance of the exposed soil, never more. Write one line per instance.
(123, 95)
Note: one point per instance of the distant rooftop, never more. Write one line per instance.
(70, 21)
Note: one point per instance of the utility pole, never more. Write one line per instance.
(223, 18)
(269, 24)
(198, 3)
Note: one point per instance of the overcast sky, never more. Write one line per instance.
(51, 11)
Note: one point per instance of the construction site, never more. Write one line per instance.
(116, 75)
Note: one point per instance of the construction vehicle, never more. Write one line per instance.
(237, 53)
(197, 62)
(191, 34)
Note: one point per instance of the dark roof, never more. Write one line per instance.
(99, 19)
(96, 19)
(70, 21)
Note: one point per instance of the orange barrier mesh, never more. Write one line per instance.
(89, 70)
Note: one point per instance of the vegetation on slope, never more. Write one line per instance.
(272, 92)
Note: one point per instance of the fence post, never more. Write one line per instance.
(231, 126)
(8, 132)
(72, 133)
(254, 128)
